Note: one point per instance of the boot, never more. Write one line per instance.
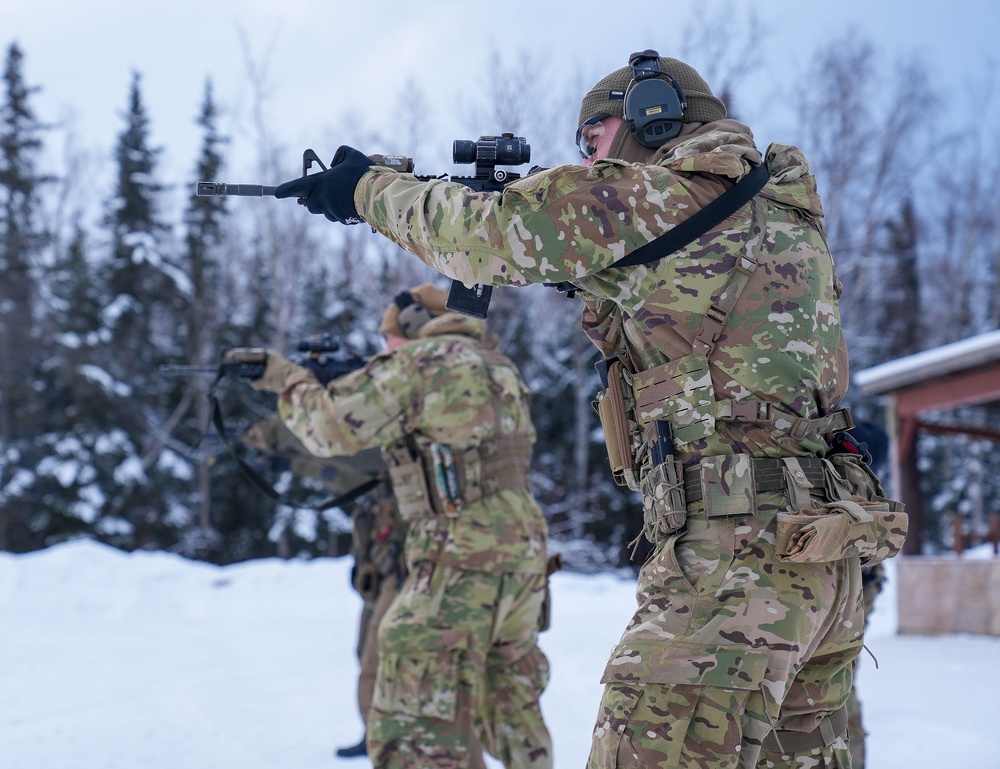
(353, 751)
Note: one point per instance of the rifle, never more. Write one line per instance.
(487, 153)
(320, 353)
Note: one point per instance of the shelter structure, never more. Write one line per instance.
(931, 392)
(938, 381)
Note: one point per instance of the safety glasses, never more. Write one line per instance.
(588, 134)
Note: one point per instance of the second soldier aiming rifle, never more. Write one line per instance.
(486, 153)
(322, 354)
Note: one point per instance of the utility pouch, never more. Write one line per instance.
(366, 581)
(871, 530)
(621, 434)
(728, 485)
(552, 565)
(681, 393)
(664, 507)
(409, 485)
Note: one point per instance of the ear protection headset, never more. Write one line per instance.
(412, 314)
(654, 101)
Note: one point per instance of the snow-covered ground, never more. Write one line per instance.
(149, 661)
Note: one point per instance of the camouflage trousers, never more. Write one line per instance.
(458, 657)
(727, 644)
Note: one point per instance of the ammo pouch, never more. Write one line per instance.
(433, 479)
(664, 507)
(409, 483)
(873, 531)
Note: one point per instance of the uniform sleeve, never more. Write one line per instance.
(362, 410)
(556, 225)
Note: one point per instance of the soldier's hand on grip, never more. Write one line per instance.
(331, 192)
(275, 373)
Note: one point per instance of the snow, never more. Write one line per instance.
(146, 660)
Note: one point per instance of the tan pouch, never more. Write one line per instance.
(870, 530)
(620, 433)
(409, 485)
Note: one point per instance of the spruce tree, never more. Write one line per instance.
(79, 416)
(143, 462)
(22, 240)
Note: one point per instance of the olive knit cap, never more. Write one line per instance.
(410, 310)
(702, 105)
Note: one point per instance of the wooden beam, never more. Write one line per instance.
(969, 388)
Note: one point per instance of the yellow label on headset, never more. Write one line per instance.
(654, 110)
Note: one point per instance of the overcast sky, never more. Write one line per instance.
(325, 58)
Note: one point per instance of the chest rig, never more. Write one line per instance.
(437, 479)
(647, 413)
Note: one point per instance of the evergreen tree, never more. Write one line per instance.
(200, 312)
(900, 324)
(78, 417)
(22, 239)
(143, 463)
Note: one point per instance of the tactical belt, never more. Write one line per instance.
(433, 479)
(829, 729)
(769, 475)
(500, 463)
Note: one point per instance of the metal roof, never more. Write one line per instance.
(930, 364)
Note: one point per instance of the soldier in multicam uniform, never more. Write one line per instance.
(458, 653)
(726, 366)
(377, 536)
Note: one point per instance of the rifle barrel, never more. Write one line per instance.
(221, 190)
(187, 370)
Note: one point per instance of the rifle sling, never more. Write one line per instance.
(258, 480)
(692, 228)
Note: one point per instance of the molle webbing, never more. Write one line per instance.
(829, 729)
(768, 474)
(500, 463)
(497, 464)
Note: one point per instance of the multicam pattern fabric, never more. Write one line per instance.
(457, 648)
(726, 642)
(783, 343)
(722, 635)
(438, 388)
(441, 653)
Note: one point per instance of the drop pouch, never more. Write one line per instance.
(871, 530)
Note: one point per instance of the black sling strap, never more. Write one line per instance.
(257, 479)
(724, 206)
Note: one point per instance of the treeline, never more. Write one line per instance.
(96, 441)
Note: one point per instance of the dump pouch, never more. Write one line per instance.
(870, 530)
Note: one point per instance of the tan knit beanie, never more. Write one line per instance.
(702, 105)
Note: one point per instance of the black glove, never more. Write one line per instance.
(266, 369)
(332, 191)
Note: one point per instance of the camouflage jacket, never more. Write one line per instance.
(782, 345)
(436, 388)
(378, 532)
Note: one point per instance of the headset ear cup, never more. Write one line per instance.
(653, 109)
